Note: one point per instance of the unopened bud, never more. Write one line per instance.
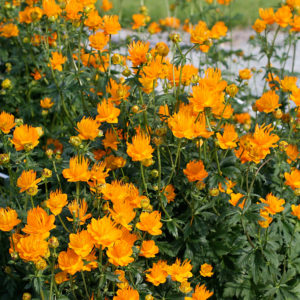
(75, 141)
(147, 162)
(232, 90)
(53, 242)
(214, 192)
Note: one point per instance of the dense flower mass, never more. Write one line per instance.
(143, 155)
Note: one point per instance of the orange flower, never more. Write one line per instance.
(259, 25)
(28, 182)
(140, 147)
(61, 277)
(36, 75)
(106, 5)
(93, 22)
(123, 214)
(158, 273)
(25, 138)
(88, 128)
(127, 294)
(9, 30)
(148, 249)
(295, 23)
(73, 9)
(273, 204)
(117, 91)
(154, 28)
(243, 118)
(8, 219)
(296, 210)
(292, 152)
(98, 175)
(110, 24)
(195, 171)
(7, 122)
(201, 293)
(268, 102)
(180, 272)
(218, 30)
(295, 96)
(110, 140)
(120, 254)
(32, 248)
(150, 222)
(293, 179)
(229, 186)
(70, 262)
(81, 242)
(57, 60)
(200, 34)
(39, 222)
(267, 220)
(245, 74)
(78, 211)
(289, 83)
(51, 9)
(46, 103)
(98, 40)
(169, 192)
(283, 16)
(267, 15)
(137, 52)
(206, 270)
(171, 22)
(104, 231)
(229, 138)
(235, 199)
(139, 21)
(56, 202)
(90, 262)
(107, 112)
(78, 170)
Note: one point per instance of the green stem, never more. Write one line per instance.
(143, 178)
(63, 224)
(84, 283)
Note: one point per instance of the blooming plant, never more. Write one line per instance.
(139, 170)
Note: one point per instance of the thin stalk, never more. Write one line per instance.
(84, 283)
(143, 178)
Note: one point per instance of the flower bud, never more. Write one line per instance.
(149, 56)
(49, 153)
(154, 173)
(126, 72)
(8, 67)
(297, 192)
(26, 40)
(145, 202)
(41, 264)
(116, 59)
(214, 192)
(162, 49)
(283, 145)
(278, 113)
(4, 158)
(40, 131)
(195, 78)
(75, 141)
(32, 191)
(46, 173)
(7, 270)
(147, 162)
(45, 112)
(232, 90)
(6, 84)
(175, 37)
(157, 141)
(143, 10)
(247, 126)
(26, 296)
(135, 109)
(19, 122)
(149, 297)
(200, 185)
(53, 242)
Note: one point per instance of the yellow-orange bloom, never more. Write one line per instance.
(51, 9)
(206, 270)
(61, 277)
(78, 170)
(127, 293)
(7, 122)
(39, 222)
(25, 137)
(56, 202)
(107, 112)
(93, 21)
(8, 219)
(268, 102)
(289, 83)
(201, 293)
(200, 34)
(195, 171)
(180, 272)
(120, 254)
(259, 25)
(266, 219)
(104, 231)
(57, 60)
(111, 140)
(9, 30)
(81, 242)
(283, 16)
(78, 211)
(293, 179)
(158, 273)
(273, 204)
(106, 5)
(229, 138)
(70, 262)
(140, 147)
(27, 181)
(139, 21)
(46, 103)
(148, 249)
(110, 24)
(150, 222)
(32, 248)
(296, 210)
(123, 214)
(98, 40)
(88, 128)
(235, 199)
(137, 52)
(267, 14)
(169, 192)
(245, 74)
(218, 30)
(295, 96)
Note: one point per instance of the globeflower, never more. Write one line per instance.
(180, 272)
(148, 249)
(273, 204)
(293, 179)
(158, 273)
(229, 138)
(283, 16)
(78, 211)
(200, 34)
(28, 182)
(70, 262)
(98, 40)
(81, 242)
(137, 52)
(235, 199)
(139, 21)
(267, 14)
(8, 219)
(7, 122)
(107, 112)
(57, 201)
(150, 222)
(206, 270)
(140, 148)
(195, 171)
(25, 138)
(51, 9)
(39, 222)
(110, 24)
(201, 293)
(46, 103)
(9, 30)
(268, 102)
(57, 60)
(245, 74)
(78, 170)
(120, 253)
(127, 293)
(88, 128)
(296, 210)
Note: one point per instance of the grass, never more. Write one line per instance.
(246, 11)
